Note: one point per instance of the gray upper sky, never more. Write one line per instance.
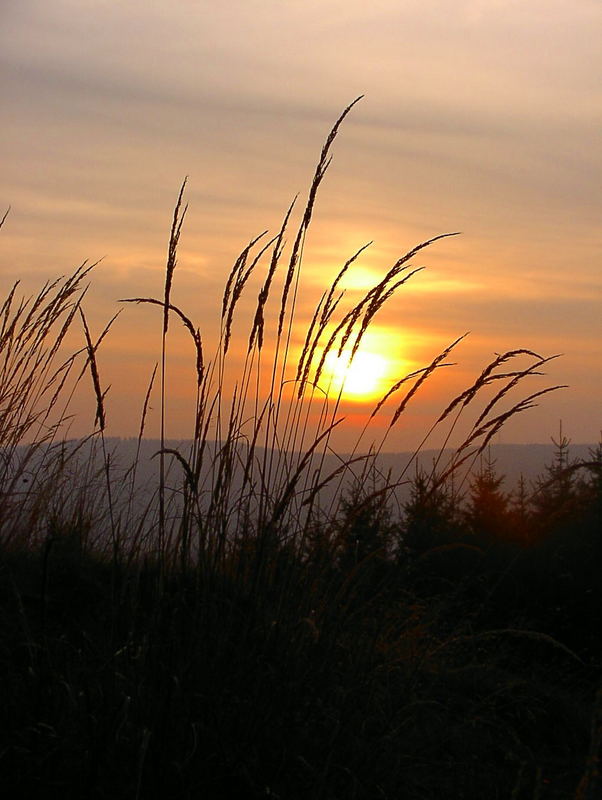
(479, 115)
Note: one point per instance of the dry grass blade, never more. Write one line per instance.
(134, 469)
(344, 467)
(308, 354)
(396, 387)
(488, 430)
(248, 467)
(305, 350)
(239, 285)
(282, 504)
(145, 405)
(485, 377)
(237, 271)
(340, 276)
(330, 305)
(194, 332)
(29, 345)
(184, 464)
(437, 362)
(514, 379)
(172, 250)
(349, 318)
(6, 213)
(372, 310)
(321, 168)
(174, 238)
(258, 322)
(372, 301)
(100, 395)
(6, 309)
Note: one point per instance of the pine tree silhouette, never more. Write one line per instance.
(555, 498)
(487, 512)
(365, 527)
(430, 516)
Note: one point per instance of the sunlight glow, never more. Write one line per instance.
(362, 379)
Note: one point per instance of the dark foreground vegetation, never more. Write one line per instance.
(455, 653)
(230, 637)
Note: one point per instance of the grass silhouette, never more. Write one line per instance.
(234, 638)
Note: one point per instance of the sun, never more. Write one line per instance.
(359, 379)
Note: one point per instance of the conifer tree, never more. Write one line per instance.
(365, 527)
(487, 512)
(519, 514)
(555, 498)
(430, 516)
(594, 481)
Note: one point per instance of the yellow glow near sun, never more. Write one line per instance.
(362, 379)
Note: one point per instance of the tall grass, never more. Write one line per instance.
(234, 653)
(255, 467)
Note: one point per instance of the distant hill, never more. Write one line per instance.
(134, 492)
(511, 460)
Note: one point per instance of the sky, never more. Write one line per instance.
(479, 116)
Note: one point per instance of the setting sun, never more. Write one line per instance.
(359, 379)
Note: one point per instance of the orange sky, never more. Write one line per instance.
(481, 116)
